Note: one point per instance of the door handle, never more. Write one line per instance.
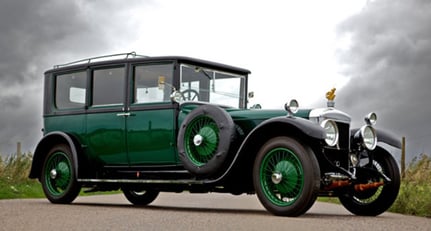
(124, 114)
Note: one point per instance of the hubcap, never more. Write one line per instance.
(197, 140)
(53, 174)
(276, 177)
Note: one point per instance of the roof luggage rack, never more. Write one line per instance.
(107, 57)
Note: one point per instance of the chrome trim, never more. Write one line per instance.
(321, 114)
(123, 114)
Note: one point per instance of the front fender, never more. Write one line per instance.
(304, 126)
(296, 127)
(43, 147)
(304, 130)
(384, 137)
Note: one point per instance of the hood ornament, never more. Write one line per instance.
(330, 96)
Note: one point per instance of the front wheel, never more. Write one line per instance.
(58, 176)
(286, 177)
(140, 197)
(375, 201)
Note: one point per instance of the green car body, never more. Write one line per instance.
(152, 124)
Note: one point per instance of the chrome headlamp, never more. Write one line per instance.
(371, 118)
(367, 136)
(332, 133)
(291, 107)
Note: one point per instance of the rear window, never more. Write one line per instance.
(70, 90)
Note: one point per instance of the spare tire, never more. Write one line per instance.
(204, 139)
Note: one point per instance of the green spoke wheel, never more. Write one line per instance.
(282, 177)
(58, 176)
(204, 139)
(286, 176)
(201, 140)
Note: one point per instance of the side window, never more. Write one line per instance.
(152, 83)
(108, 86)
(70, 90)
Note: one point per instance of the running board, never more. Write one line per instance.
(142, 181)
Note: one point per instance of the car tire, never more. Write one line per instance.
(375, 201)
(286, 177)
(141, 197)
(204, 139)
(58, 176)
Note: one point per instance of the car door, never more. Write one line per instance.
(106, 116)
(151, 124)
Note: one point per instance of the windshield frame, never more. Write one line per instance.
(213, 86)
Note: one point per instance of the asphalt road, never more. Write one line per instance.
(186, 211)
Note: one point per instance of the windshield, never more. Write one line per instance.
(213, 86)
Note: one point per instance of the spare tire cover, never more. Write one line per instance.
(204, 139)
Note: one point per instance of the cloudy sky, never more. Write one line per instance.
(376, 53)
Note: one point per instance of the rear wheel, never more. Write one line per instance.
(140, 197)
(374, 201)
(286, 177)
(58, 176)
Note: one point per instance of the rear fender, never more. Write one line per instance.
(43, 147)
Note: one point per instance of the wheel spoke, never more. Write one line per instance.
(59, 182)
(206, 128)
(282, 161)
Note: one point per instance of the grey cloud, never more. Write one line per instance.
(389, 65)
(35, 35)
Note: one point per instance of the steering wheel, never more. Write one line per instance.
(190, 95)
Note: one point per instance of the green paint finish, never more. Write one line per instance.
(106, 138)
(72, 124)
(285, 162)
(303, 113)
(151, 137)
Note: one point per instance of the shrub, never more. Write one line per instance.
(14, 181)
(415, 192)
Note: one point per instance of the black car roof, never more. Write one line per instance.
(85, 63)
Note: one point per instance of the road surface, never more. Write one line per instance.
(186, 211)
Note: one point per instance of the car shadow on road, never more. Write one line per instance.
(190, 209)
(175, 208)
